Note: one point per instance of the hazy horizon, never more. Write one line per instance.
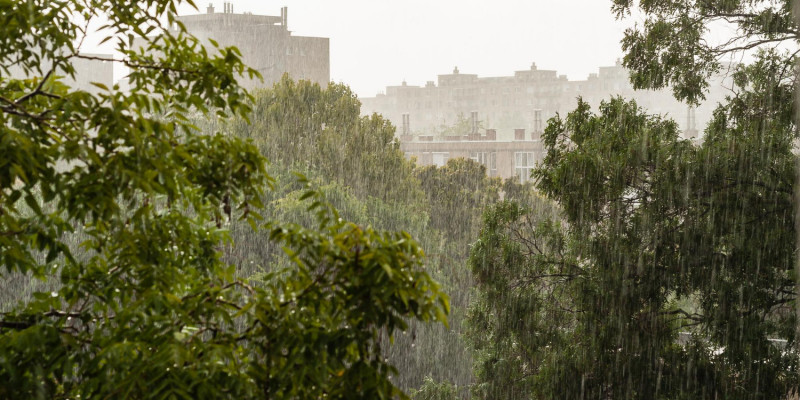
(378, 44)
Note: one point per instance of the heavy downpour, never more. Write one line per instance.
(424, 200)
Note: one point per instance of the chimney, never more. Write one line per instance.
(285, 17)
(519, 134)
(491, 134)
(691, 127)
(537, 121)
(474, 115)
(210, 8)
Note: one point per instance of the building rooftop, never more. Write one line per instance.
(232, 21)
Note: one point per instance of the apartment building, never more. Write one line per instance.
(528, 99)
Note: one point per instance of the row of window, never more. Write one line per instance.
(523, 165)
(487, 159)
(524, 162)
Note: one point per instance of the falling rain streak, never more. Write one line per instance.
(201, 212)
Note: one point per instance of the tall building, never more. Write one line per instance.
(90, 69)
(527, 100)
(266, 43)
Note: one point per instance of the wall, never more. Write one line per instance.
(500, 160)
(86, 72)
(511, 102)
(266, 44)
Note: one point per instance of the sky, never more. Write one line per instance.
(379, 43)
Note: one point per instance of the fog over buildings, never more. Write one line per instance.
(527, 99)
(494, 119)
(374, 44)
(505, 115)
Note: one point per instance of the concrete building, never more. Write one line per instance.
(91, 68)
(504, 159)
(527, 100)
(442, 120)
(96, 68)
(266, 43)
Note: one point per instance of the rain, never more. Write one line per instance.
(434, 201)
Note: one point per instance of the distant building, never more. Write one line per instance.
(96, 68)
(266, 44)
(517, 109)
(504, 159)
(527, 100)
(89, 69)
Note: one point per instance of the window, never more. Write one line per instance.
(523, 164)
(487, 159)
(440, 159)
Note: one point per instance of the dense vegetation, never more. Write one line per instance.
(658, 237)
(668, 268)
(358, 164)
(127, 212)
(190, 240)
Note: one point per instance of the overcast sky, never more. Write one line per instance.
(377, 43)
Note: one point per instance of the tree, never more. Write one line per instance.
(514, 323)
(672, 273)
(124, 204)
(455, 189)
(461, 126)
(301, 125)
(358, 163)
(431, 390)
(672, 46)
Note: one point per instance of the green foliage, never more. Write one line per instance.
(515, 322)
(316, 330)
(431, 390)
(359, 165)
(453, 190)
(301, 125)
(123, 207)
(419, 350)
(673, 45)
(660, 236)
(461, 126)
